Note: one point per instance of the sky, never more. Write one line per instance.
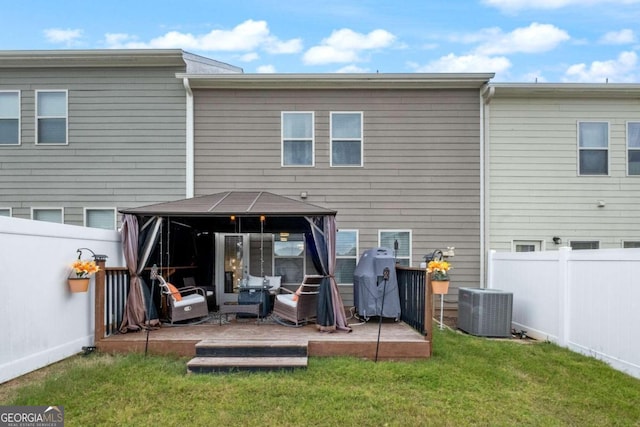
(595, 41)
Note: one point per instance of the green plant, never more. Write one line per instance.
(440, 270)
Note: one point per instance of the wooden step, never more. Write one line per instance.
(202, 365)
(250, 348)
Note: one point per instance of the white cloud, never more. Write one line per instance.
(620, 70)
(266, 69)
(352, 69)
(245, 37)
(466, 64)
(516, 5)
(346, 45)
(249, 57)
(535, 38)
(58, 35)
(625, 36)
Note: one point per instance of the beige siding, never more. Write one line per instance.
(421, 161)
(126, 141)
(534, 189)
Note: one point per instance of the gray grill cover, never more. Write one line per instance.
(369, 286)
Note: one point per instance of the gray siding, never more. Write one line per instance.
(421, 161)
(126, 141)
(535, 192)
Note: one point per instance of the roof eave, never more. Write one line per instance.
(566, 90)
(92, 58)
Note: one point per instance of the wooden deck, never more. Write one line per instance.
(398, 341)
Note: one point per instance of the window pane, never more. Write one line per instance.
(346, 243)
(52, 104)
(101, 218)
(525, 248)
(346, 125)
(585, 245)
(9, 132)
(593, 162)
(594, 134)
(52, 131)
(50, 215)
(344, 270)
(346, 153)
(633, 136)
(5, 212)
(9, 105)
(288, 249)
(291, 269)
(388, 238)
(297, 153)
(297, 125)
(631, 245)
(634, 162)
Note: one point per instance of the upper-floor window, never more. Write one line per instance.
(297, 139)
(10, 117)
(400, 242)
(527, 245)
(5, 211)
(100, 218)
(584, 244)
(346, 255)
(346, 139)
(593, 148)
(51, 117)
(48, 214)
(633, 147)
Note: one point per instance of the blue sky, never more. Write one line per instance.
(519, 40)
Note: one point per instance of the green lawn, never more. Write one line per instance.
(468, 381)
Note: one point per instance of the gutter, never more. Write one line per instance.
(190, 142)
(482, 189)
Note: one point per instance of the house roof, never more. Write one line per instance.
(562, 90)
(238, 203)
(339, 80)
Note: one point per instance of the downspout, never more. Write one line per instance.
(486, 93)
(190, 143)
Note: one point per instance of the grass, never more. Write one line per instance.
(468, 381)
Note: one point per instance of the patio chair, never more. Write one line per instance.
(209, 290)
(299, 307)
(185, 303)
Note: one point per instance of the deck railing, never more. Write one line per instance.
(111, 299)
(415, 299)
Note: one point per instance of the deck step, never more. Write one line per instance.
(250, 348)
(203, 365)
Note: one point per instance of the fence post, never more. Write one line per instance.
(490, 267)
(428, 308)
(564, 316)
(99, 329)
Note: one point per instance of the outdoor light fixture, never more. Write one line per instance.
(557, 240)
(304, 195)
(262, 218)
(232, 218)
(95, 257)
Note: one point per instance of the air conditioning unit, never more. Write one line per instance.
(485, 312)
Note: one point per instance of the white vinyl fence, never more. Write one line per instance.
(41, 322)
(587, 300)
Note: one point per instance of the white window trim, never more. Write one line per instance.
(66, 117)
(19, 118)
(399, 231)
(48, 208)
(9, 209)
(356, 256)
(540, 243)
(626, 128)
(595, 149)
(115, 214)
(313, 139)
(346, 139)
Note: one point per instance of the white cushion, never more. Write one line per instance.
(274, 283)
(254, 281)
(287, 299)
(188, 300)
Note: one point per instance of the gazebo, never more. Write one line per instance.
(160, 233)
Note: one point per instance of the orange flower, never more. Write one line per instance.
(84, 269)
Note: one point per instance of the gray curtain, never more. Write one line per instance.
(135, 315)
(330, 311)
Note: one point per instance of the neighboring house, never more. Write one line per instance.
(83, 133)
(398, 156)
(563, 166)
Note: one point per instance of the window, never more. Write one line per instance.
(289, 257)
(47, 214)
(578, 245)
(297, 139)
(51, 117)
(633, 148)
(388, 239)
(527, 245)
(593, 148)
(346, 139)
(5, 211)
(100, 218)
(631, 244)
(346, 255)
(9, 117)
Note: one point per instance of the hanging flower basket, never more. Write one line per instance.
(440, 276)
(440, 287)
(78, 284)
